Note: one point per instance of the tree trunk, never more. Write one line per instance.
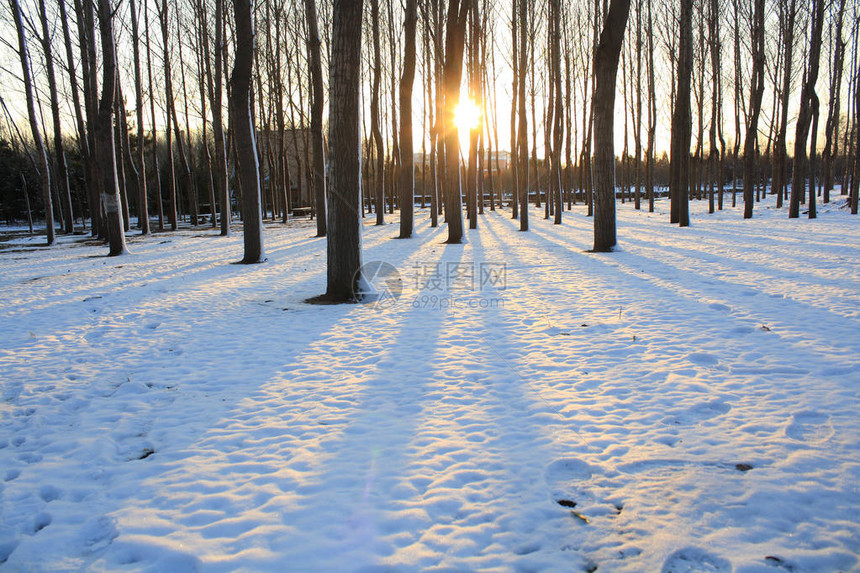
(679, 168)
(172, 215)
(83, 145)
(522, 130)
(804, 116)
(606, 73)
(105, 150)
(142, 203)
(221, 183)
(315, 65)
(62, 174)
(831, 144)
(407, 175)
(376, 133)
(243, 126)
(454, 42)
(344, 222)
(780, 169)
(34, 122)
(756, 93)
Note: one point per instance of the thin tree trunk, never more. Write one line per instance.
(315, 65)
(407, 175)
(756, 93)
(45, 174)
(804, 117)
(62, 174)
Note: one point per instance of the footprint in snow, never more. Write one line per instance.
(695, 560)
(40, 522)
(703, 359)
(810, 427)
(700, 412)
(568, 480)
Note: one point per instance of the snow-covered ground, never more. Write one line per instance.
(688, 403)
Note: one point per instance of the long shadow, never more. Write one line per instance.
(642, 269)
(365, 486)
(268, 458)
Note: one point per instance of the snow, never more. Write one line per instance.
(687, 403)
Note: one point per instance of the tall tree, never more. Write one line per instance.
(105, 149)
(606, 73)
(142, 203)
(522, 128)
(172, 215)
(344, 215)
(831, 145)
(315, 66)
(218, 121)
(375, 131)
(808, 100)
(62, 174)
(756, 93)
(34, 122)
(679, 168)
(407, 174)
(243, 129)
(455, 35)
(788, 13)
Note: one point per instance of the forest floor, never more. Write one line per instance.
(689, 403)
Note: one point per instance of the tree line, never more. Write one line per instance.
(168, 110)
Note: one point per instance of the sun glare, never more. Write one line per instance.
(467, 115)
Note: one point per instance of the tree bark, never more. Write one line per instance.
(679, 168)
(142, 203)
(45, 174)
(315, 65)
(606, 73)
(344, 215)
(62, 174)
(243, 127)
(407, 174)
(756, 93)
(452, 74)
(804, 116)
(105, 149)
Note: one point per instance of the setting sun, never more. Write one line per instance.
(467, 115)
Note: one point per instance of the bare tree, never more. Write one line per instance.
(315, 64)
(452, 74)
(34, 122)
(243, 128)
(522, 128)
(606, 72)
(407, 174)
(788, 14)
(105, 150)
(376, 132)
(756, 93)
(831, 145)
(679, 182)
(61, 177)
(808, 101)
(344, 222)
(142, 203)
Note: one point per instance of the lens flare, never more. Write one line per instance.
(467, 115)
